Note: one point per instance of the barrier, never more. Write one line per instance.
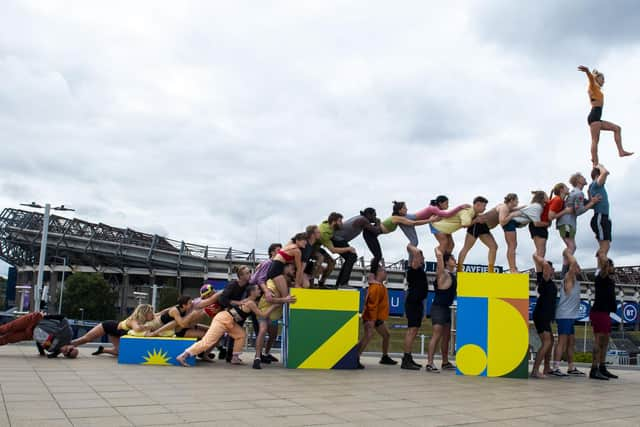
(153, 350)
(492, 325)
(322, 327)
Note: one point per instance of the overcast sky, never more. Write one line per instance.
(239, 123)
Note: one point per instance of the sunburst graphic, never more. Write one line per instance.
(157, 358)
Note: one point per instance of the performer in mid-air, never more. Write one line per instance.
(596, 124)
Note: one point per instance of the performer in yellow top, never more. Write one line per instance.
(596, 124)
(443, 229)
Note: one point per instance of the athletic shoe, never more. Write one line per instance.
(100, 350)
(595, 374)
(408, 363)
(448, 366)
(575, 372)
(265, 359)
(386, 360)
(557, 373)
(432, 369)
(360, 365)
(606, 373)
(256, 364)
(271, 358)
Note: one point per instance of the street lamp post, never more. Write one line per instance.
(43, 247)
(64, 267)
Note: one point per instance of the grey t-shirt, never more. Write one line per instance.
(575, 200)
(569, 304)
(531, 213)
(351, 228)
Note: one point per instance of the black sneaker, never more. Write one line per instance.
(603, 370)
(558, 373)
(408, 363)
(595, 374)
(386, 360)
(271, 358)
(256, 364)
(265, 359)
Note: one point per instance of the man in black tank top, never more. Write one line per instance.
(445, 289)
(414, 307)
(543, 314)
(604, 303)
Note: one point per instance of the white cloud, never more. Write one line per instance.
(238, 125)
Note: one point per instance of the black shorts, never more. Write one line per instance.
(440, 315)
(542, 324)
(276, 269)
(111, 328)
(181, 333)
(478, 229)
(542, 232)
(595, 115)
(601, 226)
(414, 310)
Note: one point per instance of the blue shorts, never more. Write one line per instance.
(433, 229)
(510, 226)
(565, 326)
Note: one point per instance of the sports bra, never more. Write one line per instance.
(166, 317)
(285, 255)
(389, 225)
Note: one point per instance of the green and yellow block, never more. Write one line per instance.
(492, 325)
(153, 350)
(322, 329)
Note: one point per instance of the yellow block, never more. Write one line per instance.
(333, 349)
(317, 299)
(508, 338)
(493, 285)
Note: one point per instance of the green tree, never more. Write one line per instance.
(167, 297)
(91, 292)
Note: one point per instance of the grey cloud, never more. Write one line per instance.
(586, 29)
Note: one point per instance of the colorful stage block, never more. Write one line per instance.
(322, 329)
(492, 326)
(153, 350)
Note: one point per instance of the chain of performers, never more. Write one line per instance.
(260, 295)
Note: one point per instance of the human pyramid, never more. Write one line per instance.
(307, 261)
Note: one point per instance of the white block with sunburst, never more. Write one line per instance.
(153, 350)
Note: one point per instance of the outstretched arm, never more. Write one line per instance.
(604, 173)
(588, 73)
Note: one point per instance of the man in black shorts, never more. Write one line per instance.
(544, 314)
(414, 307)
(480, 228)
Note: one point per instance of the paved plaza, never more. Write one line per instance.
(96, 391)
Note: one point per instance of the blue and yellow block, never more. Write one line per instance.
(322, 331)
(492, 326)
(153, 350)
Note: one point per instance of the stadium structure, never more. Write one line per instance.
(133, 261)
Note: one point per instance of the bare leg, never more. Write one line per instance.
(368, 333)
(617, 136)
(273, 334)
(409, 338)
(384, 333)
(115, 341)
(443, 242)
(603, 250)
(597, 350)
(92, 335)
(469, 241)
(490, 242)
(595, 138)
(559, 349)
(444, 346)
(262, 333)
(433, 342)
(543, 352)
(512, 243)
(571, 348)
(541, 246)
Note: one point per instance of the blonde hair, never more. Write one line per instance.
(538, 197)
(557, 189)
(573, 180)
(140, 313)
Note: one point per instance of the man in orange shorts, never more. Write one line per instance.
(376, 311)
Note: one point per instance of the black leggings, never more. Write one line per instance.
(371, 239)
